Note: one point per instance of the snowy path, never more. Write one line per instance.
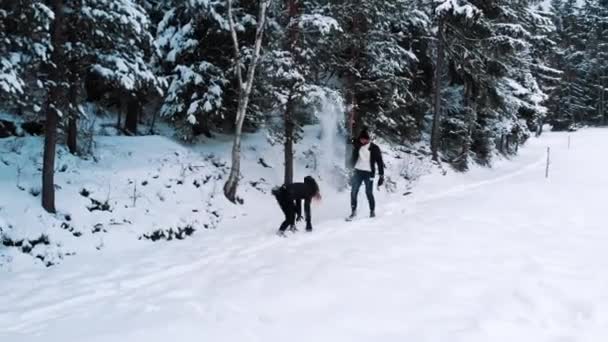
(494, 255)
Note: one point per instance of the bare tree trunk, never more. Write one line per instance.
(471, 117)
(73, 135)
(122, 109)
(245, 87)
(132, 115)
(72, 120)
(437, 93)
(351, 115)
(539, 127)
(351, 118)
(52, 117)
(602, 111)
(289, 126)
(293, 30)
(153, 124)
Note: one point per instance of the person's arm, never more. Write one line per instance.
(307, 209)
(379, 161)
(298, 209)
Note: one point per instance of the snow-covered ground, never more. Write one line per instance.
(498, 254)
(137, 189)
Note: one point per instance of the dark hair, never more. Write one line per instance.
(311, 183)
(364, 135)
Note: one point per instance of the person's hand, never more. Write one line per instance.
(380, 181)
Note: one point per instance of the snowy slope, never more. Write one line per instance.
(141, 188)
(493, 255)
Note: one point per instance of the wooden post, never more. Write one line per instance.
(548, 162)
(134, 193)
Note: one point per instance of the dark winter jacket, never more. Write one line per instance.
(298, 192)
(375, 157)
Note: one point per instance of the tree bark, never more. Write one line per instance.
(73, 135)
(122, 109)
(132, 115)
(435, 131)
(293, 31)
(289, 126)
(72, 120)
(351, 117)
(602, 111)
(471, 119)
(50, 138)
(232, 183)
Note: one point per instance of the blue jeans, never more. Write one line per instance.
(358, 178)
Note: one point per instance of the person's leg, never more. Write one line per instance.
(291, 216)
(354, 191)
(285, 208)
(369, 191)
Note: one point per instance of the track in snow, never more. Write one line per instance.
(506, 255)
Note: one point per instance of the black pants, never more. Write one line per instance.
(358, 178)
(288, 207)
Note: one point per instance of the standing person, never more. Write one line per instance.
(290, 198)
(366, 156)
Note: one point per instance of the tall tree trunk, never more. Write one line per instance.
(73, 135)
(437, 93)
(351, 115)
(50, 138)
(289, 127)
(153, 124)
(602, 112)
(293, 30)
(132, 115)
(351, 118)
(72, 120)
(245, 87)
(122, 109)
(471, 119)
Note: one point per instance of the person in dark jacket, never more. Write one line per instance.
(366, 157)
(290, 198)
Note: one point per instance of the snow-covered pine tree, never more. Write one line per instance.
(570, 101)
(490, 85)
(526, 31)
(194, 56)
(293, 79)
(192, 45)
(374, 60)
(460, 28)
(111, 44)
(24, 48)
(596, 19)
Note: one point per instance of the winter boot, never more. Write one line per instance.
(352, 216)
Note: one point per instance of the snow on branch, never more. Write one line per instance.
(454, 7)
(320, 23)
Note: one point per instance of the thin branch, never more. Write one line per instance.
(259, 32)
(235, 45)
